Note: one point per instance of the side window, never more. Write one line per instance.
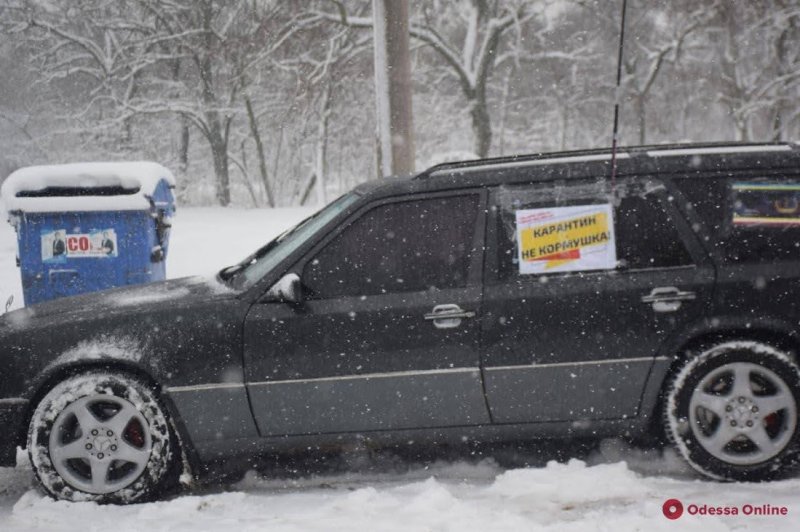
(409, 246)
(751, 219)
(643, 235)
(646, 234)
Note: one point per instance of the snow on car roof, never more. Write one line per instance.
(126, 186)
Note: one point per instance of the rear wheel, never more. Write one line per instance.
(732, 412)
(101, 437)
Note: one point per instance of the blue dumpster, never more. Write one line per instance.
(89, 226)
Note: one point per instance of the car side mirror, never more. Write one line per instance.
(286, 290)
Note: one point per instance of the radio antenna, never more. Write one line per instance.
(617, 97)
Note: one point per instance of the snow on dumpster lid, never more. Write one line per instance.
(118, 186)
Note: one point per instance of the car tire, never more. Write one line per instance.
(732, 412)
(102, 437)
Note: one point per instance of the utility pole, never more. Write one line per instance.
(395, 150)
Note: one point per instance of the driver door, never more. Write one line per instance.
(387, 335)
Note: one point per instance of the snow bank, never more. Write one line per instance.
(444, 497)
(140, 178)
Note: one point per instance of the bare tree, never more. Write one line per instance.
(150, 57)
(667, 35)
(470, 58)
(759, 78)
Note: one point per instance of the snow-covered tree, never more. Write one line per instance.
(758, 47)
(152, 57)
(467, 36)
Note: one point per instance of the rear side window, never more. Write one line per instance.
(410, 246)
(751, 219)
(644, 233)
(647, 236)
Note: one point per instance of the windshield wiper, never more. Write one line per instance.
(227, 274)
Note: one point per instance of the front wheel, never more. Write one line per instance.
(732, 412)
(100, 437)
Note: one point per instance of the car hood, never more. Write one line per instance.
(129, 299)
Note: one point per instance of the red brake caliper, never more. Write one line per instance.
(771, 421)
(134, 433)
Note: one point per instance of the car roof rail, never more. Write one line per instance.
(598, 154)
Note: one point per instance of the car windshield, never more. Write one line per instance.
(246, 273)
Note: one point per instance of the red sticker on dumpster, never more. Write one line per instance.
(59, 245)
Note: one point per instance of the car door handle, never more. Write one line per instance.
(448, 316)
(667, 298)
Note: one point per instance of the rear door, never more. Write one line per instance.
(753, 220)
(388, 335)
(574, 320)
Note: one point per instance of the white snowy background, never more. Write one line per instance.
(614, 487)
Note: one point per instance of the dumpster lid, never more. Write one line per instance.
(116, 186)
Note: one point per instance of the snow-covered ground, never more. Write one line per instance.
(613, 488)
(616, 489)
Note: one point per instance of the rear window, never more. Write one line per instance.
(751, 219)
